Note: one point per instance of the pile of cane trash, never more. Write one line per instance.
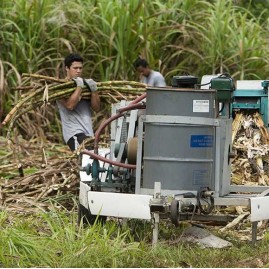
(250, 140)
(35, 173)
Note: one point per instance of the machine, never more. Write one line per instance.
(249, 96)
(252, 96)
(170, 157)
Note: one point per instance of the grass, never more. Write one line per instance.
(54, 239)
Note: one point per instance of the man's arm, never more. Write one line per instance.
(95, 99)
(71, 102)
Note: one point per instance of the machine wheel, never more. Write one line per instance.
(86, 217)
(132, 150)
(175, 212)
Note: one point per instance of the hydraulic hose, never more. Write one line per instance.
(202, 195)
(100, 158)
(138, 99)
(100, 129)
(133, 105)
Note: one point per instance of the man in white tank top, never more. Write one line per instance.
(75, 112)
(149, 76)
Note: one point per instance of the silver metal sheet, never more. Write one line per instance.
(119, 205)
(182, 120)
(259, 208)
(249, 84)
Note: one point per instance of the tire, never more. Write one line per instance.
(174, 212)
(85, 216)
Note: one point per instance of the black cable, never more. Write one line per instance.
(203, 84)
(200, 196)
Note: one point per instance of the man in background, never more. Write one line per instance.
(149, 76)
(75, 112)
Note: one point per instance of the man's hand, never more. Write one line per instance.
(79, 81)
(91, 84)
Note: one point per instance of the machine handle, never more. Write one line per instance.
(232, 155)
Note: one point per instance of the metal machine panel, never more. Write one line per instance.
(223, 162)
(119, 205)
(259, 208)
(180, 156)
(249, 84)
(189, 102)
(185, 163)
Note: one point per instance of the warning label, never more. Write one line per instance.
(201, 106)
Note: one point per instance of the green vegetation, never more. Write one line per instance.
(55, 240)
(186, 36)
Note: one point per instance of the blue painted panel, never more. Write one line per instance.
(201, 141)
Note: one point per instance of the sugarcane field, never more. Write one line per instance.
(134, 134)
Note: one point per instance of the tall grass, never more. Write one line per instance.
(220, 38)
(186, 36)
(117, 30)
(30, 31)
(55, 240)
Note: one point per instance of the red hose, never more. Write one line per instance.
(100, 129)
(118, 115)
(133, 105)
(138, 99)
(100, 158)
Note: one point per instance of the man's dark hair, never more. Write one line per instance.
(140, 62)
(73, 57)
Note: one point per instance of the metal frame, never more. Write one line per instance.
(223, 188)
(118, 204)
